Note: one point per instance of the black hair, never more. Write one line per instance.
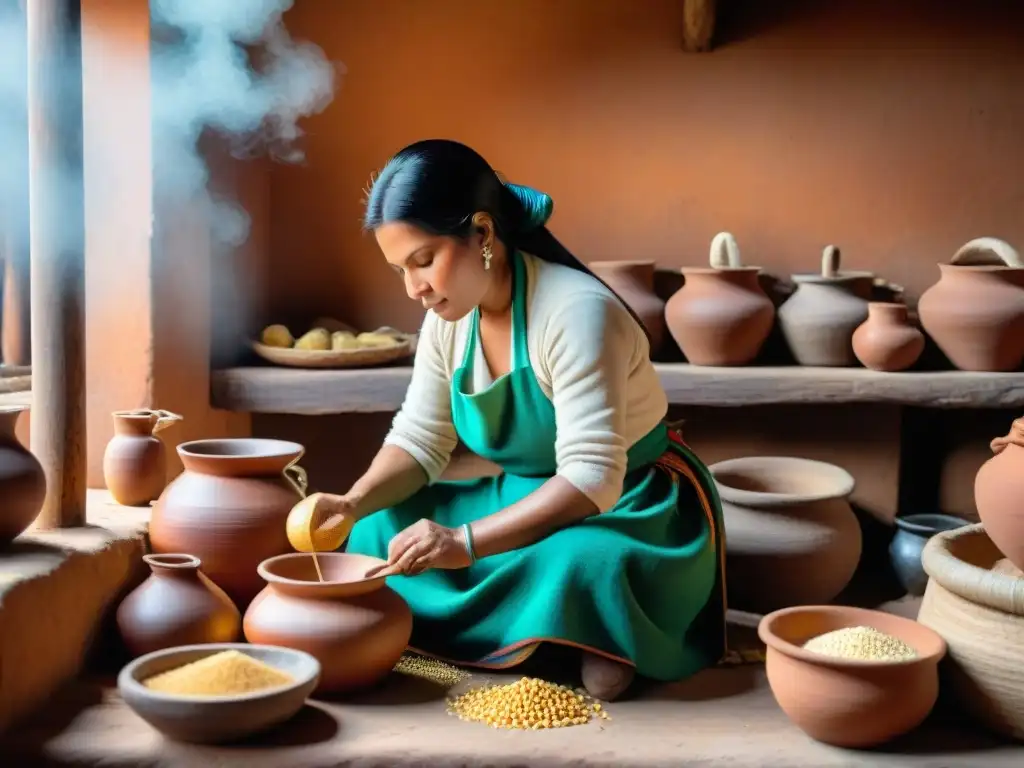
(438, 185)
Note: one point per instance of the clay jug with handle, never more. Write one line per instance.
(721, 315)
(633, 281)
(134, 464)
(975, 313)
(22, 480)
(819, 319)
(176, 605)
(998, 490)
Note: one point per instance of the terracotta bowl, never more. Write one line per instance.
(845, 702)
(217, 719)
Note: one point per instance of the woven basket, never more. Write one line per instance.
(975, 600)
(345, 358)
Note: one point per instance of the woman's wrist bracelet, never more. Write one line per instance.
(467, 534)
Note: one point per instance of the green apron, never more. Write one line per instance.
(642, 583)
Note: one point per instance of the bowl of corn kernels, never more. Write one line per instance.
(851, 677)
(218, 692)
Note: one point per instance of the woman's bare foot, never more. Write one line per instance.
(605, 679)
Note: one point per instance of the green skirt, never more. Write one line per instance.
(641, 583)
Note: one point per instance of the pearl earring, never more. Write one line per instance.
(488, 254)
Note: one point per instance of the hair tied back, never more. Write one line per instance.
(537, 206)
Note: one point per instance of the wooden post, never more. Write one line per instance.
(57, 236)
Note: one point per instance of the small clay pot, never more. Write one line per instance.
(850, 703)
(633, 281)
(975, 312)
(819, 319)
(912, 533)
(791, 535)
(887, 341)
(721, 315)
(134, 465)
(22, 481)
(176, 605)
(975, 600)
(998, 491)
(357, 628)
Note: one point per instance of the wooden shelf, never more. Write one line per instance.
(312, 392)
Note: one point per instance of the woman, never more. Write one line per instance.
(603, 532)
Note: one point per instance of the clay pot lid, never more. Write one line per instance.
(344, 574)
(830, 273)
(779, 481)
(985, 254)
(724, 257)
(787, 629)
(966, 562)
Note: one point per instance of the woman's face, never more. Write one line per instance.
(444, 274)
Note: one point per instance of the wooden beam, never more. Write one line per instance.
(268, 389)
(698, 24)
(57, 237)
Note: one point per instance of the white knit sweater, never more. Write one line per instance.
(590, 358)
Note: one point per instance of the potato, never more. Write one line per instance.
(342, 340)
(277, 336)
(376, 340)
(317, 339)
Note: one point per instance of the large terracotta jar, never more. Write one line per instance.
(176, 605)
(999, 494)
(975, 313)
(22, 481)
(791, 535)
(819, 319)
(633, 281)
(357, 628)
(887, 340)
(721, 315)
(134, 465)
(229, 508)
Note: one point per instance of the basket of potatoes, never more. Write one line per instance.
(333, 344)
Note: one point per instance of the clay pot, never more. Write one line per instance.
(848, 703)
(998, 490)
(176, 605)
(721, 315)
(887, 341)
(975, 600)
(357, 628)
(791, 535)
(912, 533)
(633, 281)
(229, 508)
(819, 319)
(975, 313)
(22, 481)
(134, 466)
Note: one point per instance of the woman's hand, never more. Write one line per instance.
(421, 546)
(321, 522)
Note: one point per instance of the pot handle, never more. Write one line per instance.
(725, 252)
(981, 250)
(165, 419)
(830, 260)
(301, 480)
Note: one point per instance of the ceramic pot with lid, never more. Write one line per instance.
(791, 536)
(357, 628)
(633, 281)
(176, 605)
(721, 315)
(22, 481)
(134, 465)
(975, 313)
(819, 319)
(229, 508)
(999, 491)
(887, 340)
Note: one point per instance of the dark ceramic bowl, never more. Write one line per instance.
(847, 702)
(217, 719)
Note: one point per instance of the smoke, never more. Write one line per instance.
(224, 66)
